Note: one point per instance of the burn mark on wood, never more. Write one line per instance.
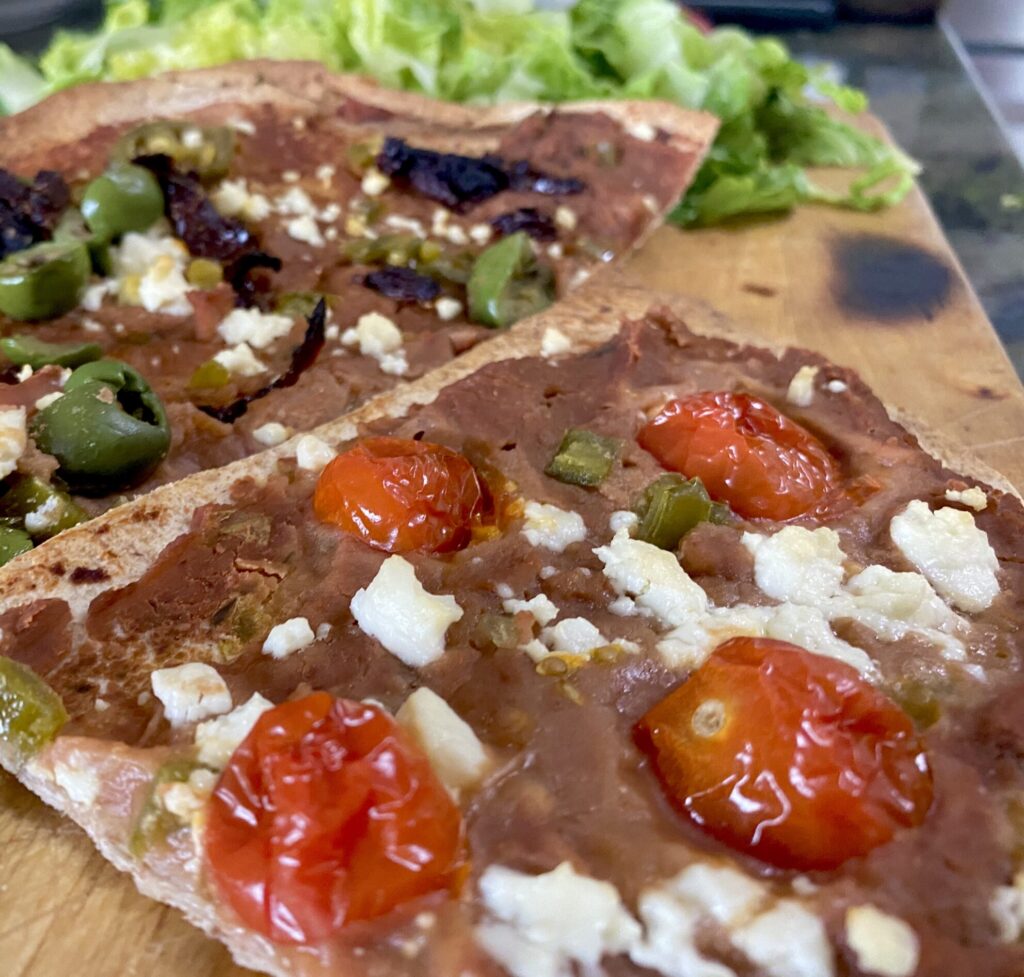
(877, 277)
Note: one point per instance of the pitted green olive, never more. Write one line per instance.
(44, 280)
(107, 430)
(41, 509)
(13, 542)
(507, 283)
(124, 198)
(22, 349)
(72, 227)
(204, 150)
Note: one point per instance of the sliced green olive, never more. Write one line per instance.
(72, 227)
(13, 542)
(108, 429)
(507, 283)
(669, 508)
(42, 509)
(155, 822)
(22, 349)
(204, 150)
(583, 458)
(44, 280)
(31, 713)
(124, 198)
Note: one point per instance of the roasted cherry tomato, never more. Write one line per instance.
(746, 453)
(788, 756)
(328, 813)
(401, 496)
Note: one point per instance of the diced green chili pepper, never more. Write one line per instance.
(42, 509)
(107, 430)
(395, 249)
(155, 822)
(209, 376)
(13, 542)
(297, 304)
(507, 283)
(31, 713)
(583, 458)
(44, 280)
(495, 631)
(124, 198)
(21, 349)
(204, 150)
(450, 267)
(669, 508)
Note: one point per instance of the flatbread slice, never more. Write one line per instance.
(540, 648)
(304, 185)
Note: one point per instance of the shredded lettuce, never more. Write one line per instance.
(779, 117)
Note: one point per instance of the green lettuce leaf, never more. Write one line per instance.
(775, 119)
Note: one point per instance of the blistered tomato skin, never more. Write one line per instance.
(788, 756)
(401, 496)
(746, 453)
(326, 814)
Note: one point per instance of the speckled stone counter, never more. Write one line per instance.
(923, 90)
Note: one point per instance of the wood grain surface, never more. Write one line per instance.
(882, 293)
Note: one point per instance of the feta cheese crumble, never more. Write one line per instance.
(312, 454)
(271, 434)
(190, 692)
(576, 635)
(951, 551)
(554, 342)
(801, 388)
(551, 527)
(240, 360)
(288, 637)
(884, 945)
(13, 438)
(258, 329)
(973, 497)
(447, 308)
(456, 754)
(149, 270)
(541, 607)
(408, 621)
(797, 564)
(217, 739)
(234, 199)
(378, 337)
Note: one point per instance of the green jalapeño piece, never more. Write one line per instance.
(508, 284)
(41, 509)
(13, 542)
(31, 713)
(203, 150)
(583, 458)
(43, 281)
(107, 430)
(22, 349)
(155, 822)
(670, 507)
(124, 198)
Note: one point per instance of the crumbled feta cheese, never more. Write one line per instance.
(836, 386)
(185, 799)
(325, 172)
(653, 577)
(374, 182)
(551, 527)
(46, 517)
(554, 342)
(217, 739)
(312, 454)
(13, 438)
(51, 398)
(643, 131)
(555, 251)
(402, 223)
(190, 692)
(973, 497)
(234, 199)
(503, 590)
(456, 754)
(305, 229)
(407, 620)
(1007, 909)
(481, 233)
(150, 271)
(623, 519)
(884, 945)
(288, 637)
(565, 218)
(77, 779)
(24, 372)
(787, 941)
(447, 308)
(456, 235)
(801, 388)
(295, 202)
(951, 551)
(808, 628)
(258, 329)
(290, 176)
(797, 564)
(576, 635)
(192, 138)
(541, 607)
(240, 360)
(547, 925)
(271, 434)
(93, 296)
(378, 337)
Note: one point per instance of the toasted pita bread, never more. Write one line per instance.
(64, 569)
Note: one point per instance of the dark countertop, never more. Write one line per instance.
(921, 85)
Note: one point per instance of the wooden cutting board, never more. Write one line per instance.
(882, 293)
